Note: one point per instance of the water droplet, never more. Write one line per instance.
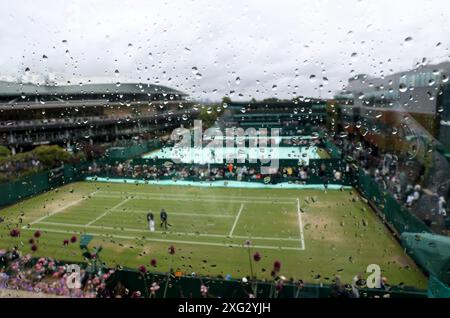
(44, 57)
(238, 80)
(402, 88)
(116, 72)
(312, 78)
(187, 50)
(274, 87)
(408, 39)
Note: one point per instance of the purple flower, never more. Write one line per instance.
(172, 250)
(34, 247)
(279, 287)
(257, 257)
(37, 234)
(73, 239)
(66, 242)
(30, 241)
(14, 233)
(153, 262)
(142, 269)
(277, 266)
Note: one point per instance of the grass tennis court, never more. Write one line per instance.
(314, 234)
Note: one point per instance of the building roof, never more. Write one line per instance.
(13, 89)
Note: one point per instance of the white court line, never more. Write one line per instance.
(165, 195)
(62, 208)
(300, 225)
(137, 211)
(171, 241)
(101, 227)
(195, 199)
(109, 210)
(236, 220)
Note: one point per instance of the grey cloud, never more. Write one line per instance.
(255, 40)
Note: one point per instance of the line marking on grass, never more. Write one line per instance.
(192, 198)
(169, 240)
(116, 228)
(143, 212)
(62, 208)
(300, 225)
(109, 210)
(236, 220)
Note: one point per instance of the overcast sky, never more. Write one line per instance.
(202, 47)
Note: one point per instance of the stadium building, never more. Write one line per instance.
(65, 114)
(293, 117)
(398, 108)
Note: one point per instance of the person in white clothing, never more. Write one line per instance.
(442, 206)
(151, 222)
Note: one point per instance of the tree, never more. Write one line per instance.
(226, 100)
(208, 115)
(4, 151)
(51, 156)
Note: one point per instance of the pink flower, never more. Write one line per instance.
(154, 287)
(136, 294)
(257, 257)
(203, 289)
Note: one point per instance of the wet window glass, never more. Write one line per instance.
(219, 149)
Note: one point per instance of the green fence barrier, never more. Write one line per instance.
(437, 289)
(396, 215)
(28, 186)
(132, 150)
(431, 252)
(190, 287)
(333, 150)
